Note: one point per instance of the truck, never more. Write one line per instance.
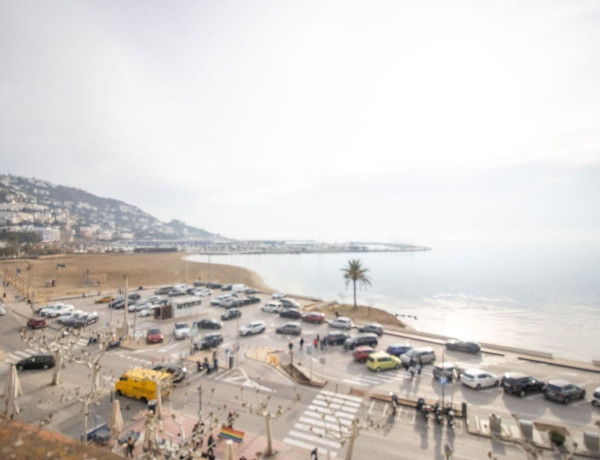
(144, 384)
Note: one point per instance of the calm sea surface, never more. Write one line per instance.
(541, 297)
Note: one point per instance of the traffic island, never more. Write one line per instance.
(272, 356)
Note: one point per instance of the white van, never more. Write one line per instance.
(221, 300)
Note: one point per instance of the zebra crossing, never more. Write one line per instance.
(373, 379)
(18, 355)
(325, 423)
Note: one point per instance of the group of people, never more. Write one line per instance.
(317, 342)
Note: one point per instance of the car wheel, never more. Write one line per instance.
(566, 401)
(594, 403)
(397, 366)
(119, 393)
(144, 400)
(378, 369)
(45, 366)
(496, 383)
(478, 387)
(20, 368)
(522, 393)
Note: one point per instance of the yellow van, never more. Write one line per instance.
(141, 384)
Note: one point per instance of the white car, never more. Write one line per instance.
(221, 300)
(181, 330)
(342, 322)
(272, 307)
(201, 292)
(278, 295)
(255, 327)
(57, 309)
(596, 397)
(139, 306)
(155, 299)
(478, 379)
(147, 312)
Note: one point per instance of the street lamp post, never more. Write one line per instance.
(200, 402)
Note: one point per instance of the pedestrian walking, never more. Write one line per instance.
(230, 419)
(301, 343)
(314, 454)
(130, 446)
(316, 343)
(323, 343)
(290, 346)
(419, 368)
(210, 442)
(216, 364)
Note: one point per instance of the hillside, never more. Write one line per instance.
(28, 204)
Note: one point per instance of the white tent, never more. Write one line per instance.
(116, 420)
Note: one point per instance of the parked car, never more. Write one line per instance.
(255, 327)
(181, 330)
(398, 349)
(336, 338)
(84, 319)
(251, 299)
(361, 339)
(105, 299)
(36, 362)
(271, 307)
(373, 327)
(163, 290)
(292, 313)
(209, 323)
(478, 379)
(68, 317)
(231, 313)
(289, 303)
(37, 323)
(49, 309)
(117, 304)
(221, 300)
(289, 328)
(563, 391)
(207, 341)
(313, 317)
(461, 345)
(596, 397)
(156, 299)
(448, 370)
(423, 355)
(362, 353)
(201, 292)
(176, 293)
(226, 287)
(138, 306)
(147, 312)
(341, 322)
(176, 370)
(516, 383)
(232, 303)
(154, 335)
(134, 296)
(55, 310)
(382, 361)
(214, 285)
(278, 295)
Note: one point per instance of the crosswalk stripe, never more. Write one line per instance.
(334, 432)
(322, 452)
(329, 418)
(337, 401)
(326, 411)
(339, 395)
(313, 438)
(22, 354)
(335, 406)
(12, 358)
(31, 351)
(340, 428)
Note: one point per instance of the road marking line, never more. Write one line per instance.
(316, 439)
(338, 400)
(329, 418)
(339, 395)
(371, 407)
(330, 426)
(22, 354)
(303, 445)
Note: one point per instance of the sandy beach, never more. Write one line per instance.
(95, 274)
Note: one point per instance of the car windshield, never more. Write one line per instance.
(154, 331)
(181, 325)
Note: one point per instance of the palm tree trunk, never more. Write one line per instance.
(354, 285)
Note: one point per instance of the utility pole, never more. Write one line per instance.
(126, 311)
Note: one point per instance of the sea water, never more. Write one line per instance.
(543, 297)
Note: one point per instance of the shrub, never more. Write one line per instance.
(557, 437)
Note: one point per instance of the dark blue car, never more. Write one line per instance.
(398, 349)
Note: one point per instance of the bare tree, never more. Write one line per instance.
(263, 408)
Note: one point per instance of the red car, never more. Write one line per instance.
(362, 353)
(314, 317)
(36, 323)
(154, 336)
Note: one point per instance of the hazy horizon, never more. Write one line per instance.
(333, 121)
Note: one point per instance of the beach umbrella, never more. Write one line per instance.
(116, 419)
(12, 392)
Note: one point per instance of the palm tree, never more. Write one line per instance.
(356, 272)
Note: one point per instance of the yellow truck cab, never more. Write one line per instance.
(141, 384)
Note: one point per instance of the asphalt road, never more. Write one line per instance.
(253, 382)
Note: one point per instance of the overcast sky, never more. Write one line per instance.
(352, 120)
